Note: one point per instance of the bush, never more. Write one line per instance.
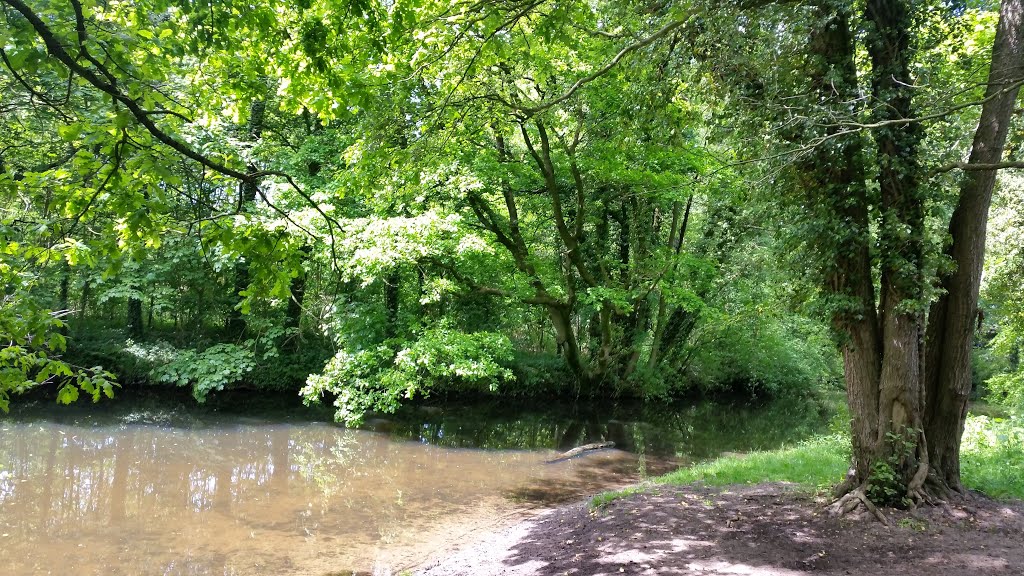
(1007, 389)
(771, 357)
(288, 369)
(539, 375)
(206, 370)
(441, 359)
(272, 362)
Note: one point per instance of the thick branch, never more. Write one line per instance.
(109, 87)
(543, 159)
(849, 128)
(541, 298)
(1011, 86)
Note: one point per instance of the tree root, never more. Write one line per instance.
(916, 493)
(846, 486)
(852, 500)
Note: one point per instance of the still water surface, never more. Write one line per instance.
(130, 494)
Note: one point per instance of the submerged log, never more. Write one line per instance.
(581, 450)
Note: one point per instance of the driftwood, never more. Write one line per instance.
(580, 450)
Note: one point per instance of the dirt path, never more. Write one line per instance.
(764, 530)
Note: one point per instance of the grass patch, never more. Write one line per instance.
(992, 462)
(814, 463)
(605, 498)
(992, 456)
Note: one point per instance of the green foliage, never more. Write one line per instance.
(205, 370)
(431, 198)
(538, 375)
(263, 364)
(417, 225)
(443, 354)
(288, 368)
(34, 335)
(812, 464)
(758, 355)
(887, 484)
(1007, 388)
(1003, 300)
(993, 456)
(441, 359)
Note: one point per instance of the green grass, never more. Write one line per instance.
(605, 498)
(813, 463)
(992, 456)
(992, 462)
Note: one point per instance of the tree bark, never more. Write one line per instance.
(833, 177)
(296, 300)
(901, 242)
(83, 300)
(951, 318)
(63, 295)
(392, 292)
(134, 321)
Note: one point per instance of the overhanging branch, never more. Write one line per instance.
(100, 77)
(664, 31)
(108, 86)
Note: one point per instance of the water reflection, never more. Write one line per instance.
(247, 499)
(687, 432)
(195, 493)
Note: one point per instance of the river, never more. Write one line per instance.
(166, 492)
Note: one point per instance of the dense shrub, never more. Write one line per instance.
(771, 358)
(441, 359)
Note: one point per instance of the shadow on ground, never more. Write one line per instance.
(766, 530)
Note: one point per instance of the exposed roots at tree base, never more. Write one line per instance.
(855, 499)
(915, 489)
(923, 490)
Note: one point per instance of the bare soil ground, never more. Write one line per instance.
(763, 530)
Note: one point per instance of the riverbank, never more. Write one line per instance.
(770, 529)
(764, 514)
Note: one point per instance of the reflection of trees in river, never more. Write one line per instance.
(237, 495)
(692, 431)
(150, 470)
(175, 498)
(72, 484)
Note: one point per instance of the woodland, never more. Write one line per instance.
(372, 202)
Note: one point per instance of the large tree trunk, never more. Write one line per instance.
(951, 318)
(833, 176)
(899, 443)
(881, 348)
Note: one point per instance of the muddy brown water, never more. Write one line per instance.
(251, 499)
(225, 495)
